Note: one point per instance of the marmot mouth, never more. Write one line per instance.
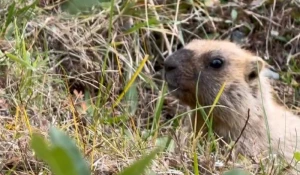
(172, 87)
(171, 81)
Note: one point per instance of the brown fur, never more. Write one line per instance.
(246, 88)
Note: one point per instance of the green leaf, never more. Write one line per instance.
(297, 156)
(57, 158)
(40, 146)
(42, 151)
(139, 166)
(65, 164)
(63, 157)
(18, 60)
(60, 139)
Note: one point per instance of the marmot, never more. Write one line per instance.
(212, 63)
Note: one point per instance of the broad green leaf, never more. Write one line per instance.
(60, 139)
(40, 146)
(64, 161)
(42, 151)
(62, 156)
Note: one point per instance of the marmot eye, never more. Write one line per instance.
(216, 63)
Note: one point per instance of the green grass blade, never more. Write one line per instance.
(139, 69)
(158, 109)
(10, 16)
(18, 60)
(139, 166)
(132, 98)
(196, 164)
(217, 98)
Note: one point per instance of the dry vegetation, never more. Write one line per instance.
(70, 71)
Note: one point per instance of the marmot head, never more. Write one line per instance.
(198, 71)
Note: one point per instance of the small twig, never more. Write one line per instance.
(293, 39)
(243, 129)
(255, 15)
(91, 149)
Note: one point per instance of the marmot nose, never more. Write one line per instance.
(170, 64)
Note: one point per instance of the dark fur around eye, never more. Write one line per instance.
(216, 63)
(252, 75)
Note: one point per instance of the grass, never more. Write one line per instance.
(93, 70)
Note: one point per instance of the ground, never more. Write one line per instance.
(68, 67)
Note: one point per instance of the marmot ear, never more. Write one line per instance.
(255, 67)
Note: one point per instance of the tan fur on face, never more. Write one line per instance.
(187, 66)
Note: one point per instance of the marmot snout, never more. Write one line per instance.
(196, 73)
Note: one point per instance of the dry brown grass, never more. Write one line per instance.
(82, 64)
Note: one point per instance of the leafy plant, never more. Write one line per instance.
(15, 11)
(64, 158)
(62, 155)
